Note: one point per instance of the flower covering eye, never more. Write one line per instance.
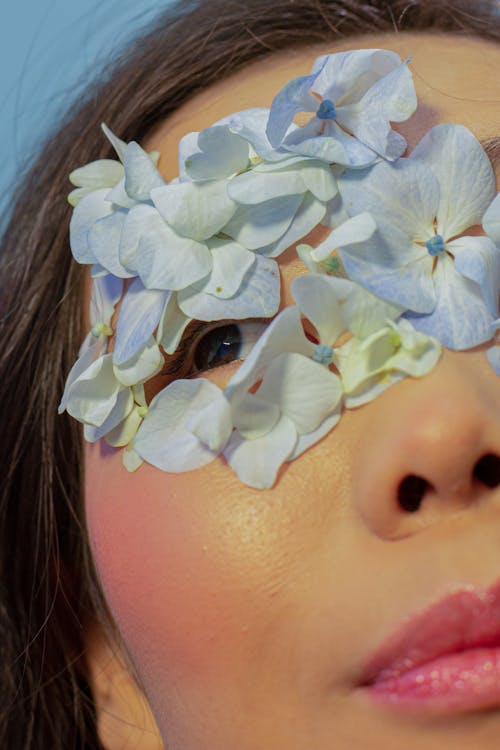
(398, 275)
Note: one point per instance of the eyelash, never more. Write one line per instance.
(182, 363)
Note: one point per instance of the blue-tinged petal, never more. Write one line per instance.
(345, 77)
(131, 460)
(124, 432)
(319, 179)
(89, 210)
(294, 97)
(304, 390)
(319, 303)
(219, 154)
(119, 197)
(140, 313)
(391, 99)
(120, 411)
(306, 441)
(89, 352)
(478, 259)
(251, 125)
(257, 297)
(164, 439)
(172, 324)
(328, 143)
(491, 220)
(357, 229)
(188, 147)
(213, 424)
(137, 222)
(405, 194)
(230, 264)
(165, 260)
(141, 174)
(493, 354)
(256, 187)
(284, 334)
(104, 239)
(390, 266)
(196, 210)
(308, 216)
(460, 319)
(145, 363)
(254, 417)
(258, 461)
(363, 312)
(93, 394)
(117, 143)
(465, 176)
(261, 225)
(106, 291)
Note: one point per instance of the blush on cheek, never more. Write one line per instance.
(174, 601)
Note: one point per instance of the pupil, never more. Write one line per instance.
(217, 347)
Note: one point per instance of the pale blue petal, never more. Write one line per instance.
(165, 260)
(89, 352)
(140, 313)
(120, 411)
(104, 241)
(251, 125)
(465, 176)
(329, 143)
(89, 210)
(172, 324)
(491, 220)
(317, 300)
(305, 391)
(309, 215)
(258, 461)
(363, 312)
(306, 441)
(117, 143)
(141, 174)
(213, 424)
(219, 154)
(294, 97)
(138, 221)
(460, 319)
(196, 210)
(93, 394)
(493, 354)
(258, 296)
(319, 179)
(345, 77)
(119, 197)
(358, 229)
(124, 431)
(230, 264)
(164, 439)
(254, 417)
(258, 226)
(256, 187)
(106, 291)
(145, 363)
(478, 259)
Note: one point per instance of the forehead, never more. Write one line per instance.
(455, 77)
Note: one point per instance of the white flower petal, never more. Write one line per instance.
(305, 391)
(106, 291)
(119, 197)
(306, 441)
(253, 188)
(318, 301)
(131, 460)
(117, 143)
(138, 221)
(254, 417)
(163, 439)
(141, 174)
(359, 228)
(124, 432)
(465, 176)
(220, 154)
(491, 220)
(230, 264)
(258, 296)
(89, 352)
(97, 174)
(172, 324)
(260, 225)
(213, 424)
(196, 210)
(104, 241)
(120, 411)
(145, 363)
(258, 461)
(308, 216)
(346, 76)
(140, 313)
(294, 97)
(93, 394)
(89, 210)
(478, 259)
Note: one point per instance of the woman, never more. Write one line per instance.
(231, 602)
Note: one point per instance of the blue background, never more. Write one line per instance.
(47, 47)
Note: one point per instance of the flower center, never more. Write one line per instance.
(435, 245)
(323, 354)
(101, 328)
(326, 110)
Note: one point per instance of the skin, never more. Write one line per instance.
(249, 614)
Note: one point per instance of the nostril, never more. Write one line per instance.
(487, 470)
(411, 492)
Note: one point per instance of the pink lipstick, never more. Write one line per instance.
(446, 658)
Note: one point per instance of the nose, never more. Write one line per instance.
(429, 447)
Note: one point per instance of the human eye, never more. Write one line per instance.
(209, 346)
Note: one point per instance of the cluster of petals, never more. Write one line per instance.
(400, 273)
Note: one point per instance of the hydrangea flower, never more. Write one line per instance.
(354, 96)
(417, 258)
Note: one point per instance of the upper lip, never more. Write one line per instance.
(468, 618)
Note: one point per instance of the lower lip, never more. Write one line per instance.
(464, 681)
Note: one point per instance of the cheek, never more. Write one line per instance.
(188, 563)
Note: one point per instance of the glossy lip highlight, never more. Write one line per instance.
(444, 659)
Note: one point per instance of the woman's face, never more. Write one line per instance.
(250, 614)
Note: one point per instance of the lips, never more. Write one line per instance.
(467, 619)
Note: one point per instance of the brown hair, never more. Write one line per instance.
(48, 587)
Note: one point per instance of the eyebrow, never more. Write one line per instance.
(492, 148)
